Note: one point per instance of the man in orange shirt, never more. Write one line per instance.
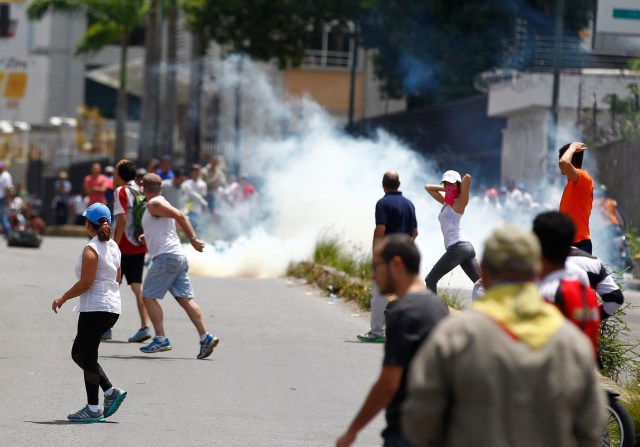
(577, 197)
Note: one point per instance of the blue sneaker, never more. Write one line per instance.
(113, 401)
(86, 415)
(107, 335)
(140, 336)
(206, 346)
(156, 346)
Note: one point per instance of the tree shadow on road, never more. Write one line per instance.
(67, 422)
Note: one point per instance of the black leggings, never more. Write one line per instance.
(91, 326)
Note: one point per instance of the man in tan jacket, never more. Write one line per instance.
(509, 372)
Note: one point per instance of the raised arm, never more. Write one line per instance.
(565, 161)
(463, 199)
(435, 192)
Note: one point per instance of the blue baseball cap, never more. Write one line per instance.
(96, 212)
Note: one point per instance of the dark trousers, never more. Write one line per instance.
(61, 213)
(584, 245)
(91, 326)
(460, 254)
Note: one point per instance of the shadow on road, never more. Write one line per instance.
(66, 422)
(147, 357)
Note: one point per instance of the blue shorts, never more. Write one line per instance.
(168, 273)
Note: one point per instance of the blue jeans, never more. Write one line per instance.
(4, 218)
(460, 254)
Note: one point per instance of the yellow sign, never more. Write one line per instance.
(16, 85)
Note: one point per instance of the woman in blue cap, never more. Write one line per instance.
(453, 194)
(98, 273)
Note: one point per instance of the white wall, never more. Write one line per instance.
(526, 104)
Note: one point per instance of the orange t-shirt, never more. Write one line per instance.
(577, 201)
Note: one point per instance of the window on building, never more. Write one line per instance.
(328, 47)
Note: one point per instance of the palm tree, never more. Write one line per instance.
(148, 116)
(168, 110)
(113, 22)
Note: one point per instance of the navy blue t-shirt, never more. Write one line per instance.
(396, 213)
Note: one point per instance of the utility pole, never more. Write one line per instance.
(553, 127)
(237, 118)
(352, 81)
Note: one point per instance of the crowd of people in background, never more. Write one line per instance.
(207, 192)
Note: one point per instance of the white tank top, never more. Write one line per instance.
(104, 294)
(160, 233)
(450, 226)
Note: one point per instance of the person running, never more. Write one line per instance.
(577, 196)
(169, 267)
(98, 273)
(459, 250)
(133, 252)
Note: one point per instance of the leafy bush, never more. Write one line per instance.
(329, 251)
(633, 237)
(618, 356)
(453, 300)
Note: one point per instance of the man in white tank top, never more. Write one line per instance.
(168, 271)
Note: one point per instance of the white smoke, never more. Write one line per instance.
(315, 180)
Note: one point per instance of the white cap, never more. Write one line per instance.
(451, 177)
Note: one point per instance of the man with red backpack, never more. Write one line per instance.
(566, 287)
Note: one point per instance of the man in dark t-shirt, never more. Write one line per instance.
(394, 214)
(410, 319)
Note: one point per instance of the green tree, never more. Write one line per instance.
(431, 50)
(169, 98)
(112, 23)
(147, 141)
(263, 29)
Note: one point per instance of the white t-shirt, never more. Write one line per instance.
(548, 285)
(104, 294)
(450, 226)
(5, 182)
(160, 234)
(195, 192)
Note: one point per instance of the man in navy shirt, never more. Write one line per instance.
(394, 214)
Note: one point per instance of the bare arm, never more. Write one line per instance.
(565, 161)
(121, 220)
(378, 398)
(87, 276)
(435, 192)
(463, 199)
(378, 232)
(160, 209)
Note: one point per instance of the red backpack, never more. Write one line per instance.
(579, 304)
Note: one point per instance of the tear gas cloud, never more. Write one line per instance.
(315, 180)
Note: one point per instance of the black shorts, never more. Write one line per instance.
(132, 266)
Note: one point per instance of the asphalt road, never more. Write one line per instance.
(286, 371)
